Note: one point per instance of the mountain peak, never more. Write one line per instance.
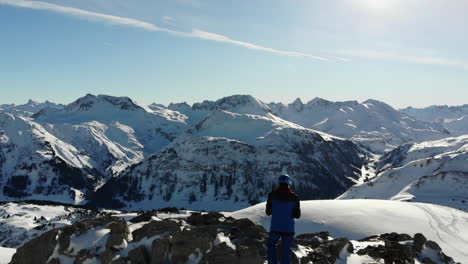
(89, 101)
(243, 104)
(319, 101)
(32, 103)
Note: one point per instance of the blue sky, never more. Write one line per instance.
(403, 52)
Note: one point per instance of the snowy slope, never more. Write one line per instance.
(458, 126)
(434, 172)
(36, 164)
(374, 124)
(229, 161)
(360, 218)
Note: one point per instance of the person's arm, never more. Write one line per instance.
(297, 209)
(269, 209)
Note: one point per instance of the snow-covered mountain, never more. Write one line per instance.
(29, 108)
(454, 118)
(229, 161)
(433, 172)
(152, 129)
(62, 154)
(372, 123)
(241, 104)
(437, 113)
(38, 165)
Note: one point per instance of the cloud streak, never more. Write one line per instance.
(118, 20)
(391, 56)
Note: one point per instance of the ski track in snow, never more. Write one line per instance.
(440, 228)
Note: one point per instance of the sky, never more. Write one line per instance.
(402, 52)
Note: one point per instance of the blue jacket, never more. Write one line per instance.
(283, 204)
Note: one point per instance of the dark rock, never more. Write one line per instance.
(82, 256)
(433, 245)
(198, 219)
(139, 255)
(396, 237)
(169, 210)
(391, 252)
(54, 261)
(155, 228)
(221, 253)
(428, 261)
(161, 250)
(143, 217)
(37, 250)
(118, 233)
(312, 241)
(418, 241)
(194, 241)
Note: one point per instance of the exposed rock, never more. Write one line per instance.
(37, 250)
(143, 217)
(427, 260)
(155, 228)
(160, 250)
(433, 245)
(204, 219)
(396, 237)
(118, 233)
(139, 255)
(419, 240)
(194, 241)
(221, 253)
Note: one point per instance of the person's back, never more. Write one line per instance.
(283, 204)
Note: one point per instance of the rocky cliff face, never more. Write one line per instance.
(170, 236)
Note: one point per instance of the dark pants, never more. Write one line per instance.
(286, 248)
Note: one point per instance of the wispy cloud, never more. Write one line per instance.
(393, 56)
(220, 38)
(168, 20)
(118, 20)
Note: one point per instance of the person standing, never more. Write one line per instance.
(283, 205)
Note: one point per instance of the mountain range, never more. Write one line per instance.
(225, 154)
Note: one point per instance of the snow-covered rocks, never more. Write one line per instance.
(356, 219)
(198, 237)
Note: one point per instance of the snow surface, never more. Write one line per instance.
(357, 219)
(6, 254)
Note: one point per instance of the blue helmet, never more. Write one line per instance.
(285, 179)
